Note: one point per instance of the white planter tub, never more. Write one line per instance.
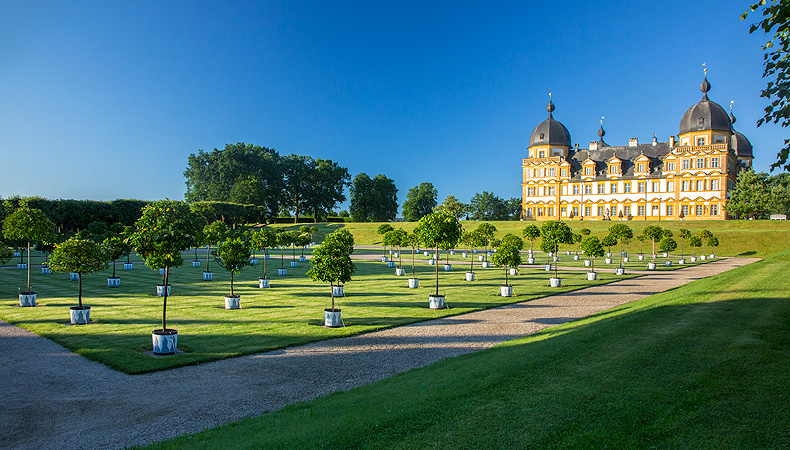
(592, 276)
(160, 290)
(80, 316)
(506, 291)
(555, 282)
(414, 283)
(282, 272)
(165, 342)
(337, 291)
(113, 282)
(587, 263)
(470, 276)
(233, 302)
(263, 283)
(448, 267)
(651, 266)
(513, 271)
(400, 272)
(208, 276)
(27, 299)
(332, 318)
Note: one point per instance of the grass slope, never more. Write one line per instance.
(758, 238)
(702, 366)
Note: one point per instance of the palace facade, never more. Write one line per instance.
(687, 177)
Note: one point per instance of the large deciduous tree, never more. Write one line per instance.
(453, 207)
(239, 173)
(420, 201)
(776, 60)
(487, 206)
(373, 199)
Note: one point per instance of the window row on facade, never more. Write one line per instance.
(614, 210)
(626, 187)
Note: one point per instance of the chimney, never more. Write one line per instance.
(633, 142)
(672, 141)
(594, 145)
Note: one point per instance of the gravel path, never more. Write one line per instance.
(54, 399)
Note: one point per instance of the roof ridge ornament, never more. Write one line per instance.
(550, 107)
(732, 118)
(705, 86)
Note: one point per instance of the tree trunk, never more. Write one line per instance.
(437, 273)
(28, 265)
(412, 262)
(113, 269)
(79, 276)
(556, 247)
(264, 263)
(231, 283)
(164, 303)
(208, 253)
(332, 288)
(506, 271)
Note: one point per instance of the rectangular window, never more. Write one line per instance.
(698, 211)
(612, 169)
(685, 186)
(531, 192)
(656, 186)
(540, 212)
(575, 189)
(551, 211)
(670, 186)
(686, 163)
(600, 211)
(529, 212)
(684, 210)
(588, 189)
(588, 211)
(564, 211)
(714, 185)
(551, 190)
(641, 167)
(541, 154)
(670, 210)
(627, 210)
(575, 211)
(700, 163)
(564, 172)
(700, 185)
(718, 139)
(640, 210)
(588, 170)
(641, 187)
(552, 172)
(714, 162)
(601, 189)
(626, 187)
(714, 210)
(613, 188)
(670, 166)
(700, 141)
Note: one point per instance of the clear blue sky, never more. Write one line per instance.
(104, 100)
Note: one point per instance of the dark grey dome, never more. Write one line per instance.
(550, 131)
(742, 146)
(705, 115)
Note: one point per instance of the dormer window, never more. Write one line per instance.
(541, 154)
(541, 136)
(612, 169)
(700, 121)
(588, 171)
(641, 167)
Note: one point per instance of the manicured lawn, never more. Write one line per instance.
(701, 366)
(289, 313)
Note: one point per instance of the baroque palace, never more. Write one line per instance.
(685, 178)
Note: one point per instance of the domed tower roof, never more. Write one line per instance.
(550, 131)
(742, 146)
(705, 115)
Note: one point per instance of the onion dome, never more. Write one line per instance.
(741, 145)
(705, 115)
(601, 133)
(550, 131)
